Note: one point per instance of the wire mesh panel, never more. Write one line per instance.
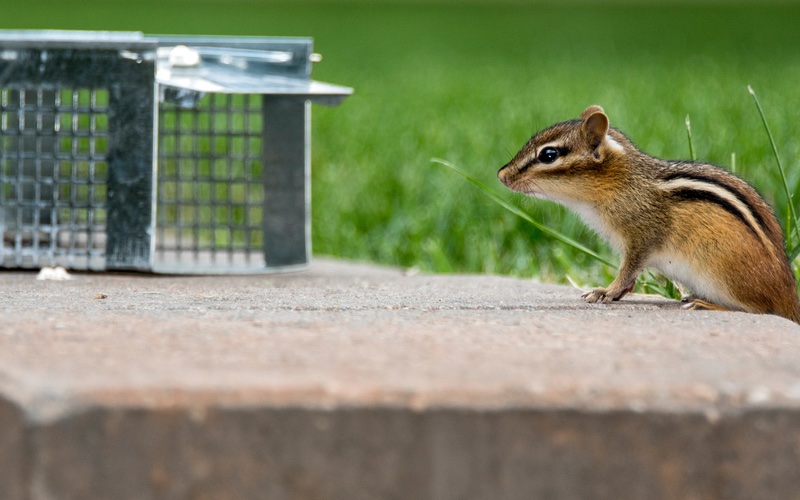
(210, 192)
(53, 171)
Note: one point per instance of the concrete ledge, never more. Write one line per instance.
(354, 381)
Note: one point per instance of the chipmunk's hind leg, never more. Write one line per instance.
(703, 305)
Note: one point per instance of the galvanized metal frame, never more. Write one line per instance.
(136, 73)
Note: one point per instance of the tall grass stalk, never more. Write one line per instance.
(792, 223)
(517, 211)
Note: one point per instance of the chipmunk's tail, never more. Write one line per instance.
(795, 315)
(793, 311)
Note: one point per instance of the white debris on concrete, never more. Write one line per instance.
(53, 274)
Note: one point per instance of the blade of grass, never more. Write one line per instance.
(654, 282)
(793, 252)
(520, 213)
(691, 143)
(792, 222)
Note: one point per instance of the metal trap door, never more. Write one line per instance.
(76, 151)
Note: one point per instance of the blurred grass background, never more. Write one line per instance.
(470, 83)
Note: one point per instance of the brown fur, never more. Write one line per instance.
(696, 223)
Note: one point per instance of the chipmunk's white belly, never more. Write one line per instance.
(697, 280)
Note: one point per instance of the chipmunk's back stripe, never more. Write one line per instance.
(723, 197)
(693, 194)
(716, 182)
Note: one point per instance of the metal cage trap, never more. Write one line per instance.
(168, 154)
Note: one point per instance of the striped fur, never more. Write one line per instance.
(699, 188)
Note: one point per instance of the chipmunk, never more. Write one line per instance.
(696, 223)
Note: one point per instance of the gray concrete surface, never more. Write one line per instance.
(355, 381)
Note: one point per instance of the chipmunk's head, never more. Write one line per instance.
(566, 162)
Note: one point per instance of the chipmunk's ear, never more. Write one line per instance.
(594, 108)
(595, 125)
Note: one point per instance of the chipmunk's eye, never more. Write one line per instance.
(548, 155)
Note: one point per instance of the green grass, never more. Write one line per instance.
(470, 84)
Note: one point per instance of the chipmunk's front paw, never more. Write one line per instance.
(598, 295)
(607, 295)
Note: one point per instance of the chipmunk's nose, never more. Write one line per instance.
(502, 174)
